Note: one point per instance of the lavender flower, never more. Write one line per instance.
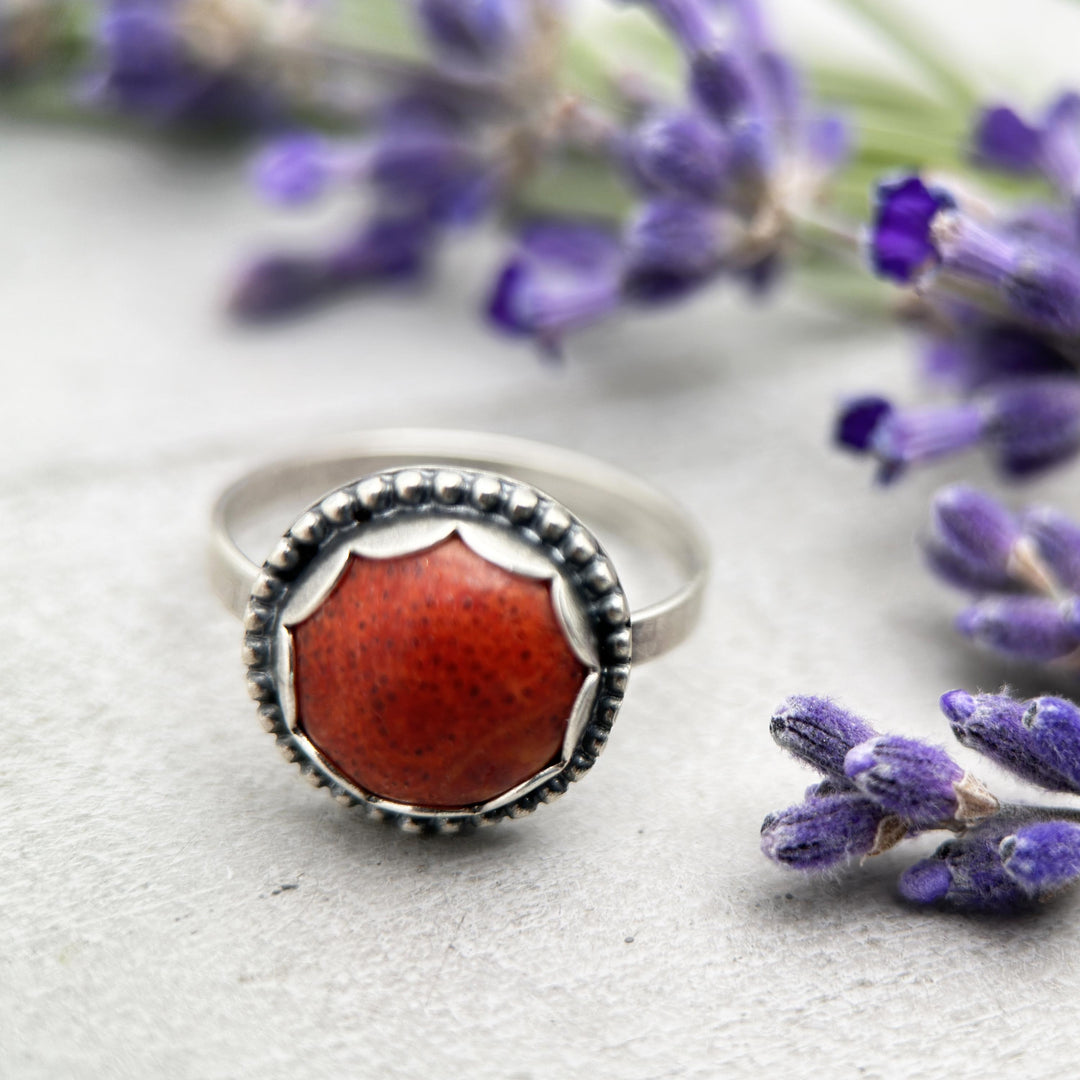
(900, 438)
(825, 831)
(679, 152)
(1032, 628)
(671, 247)
(152, 62)
(1028, 424)
(473, 33)
(971, 540)
(999, 289)
(1025, 569)
(1042, 858)
(966, 875)
(1056, 541)
(901, 247)
(1003, 140)
(906, 777)
(562, 276)
(819, 732)
(384, 249)
(712, 172)
(1042, 750)
(294, 169)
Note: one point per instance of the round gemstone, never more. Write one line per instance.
(436, 679)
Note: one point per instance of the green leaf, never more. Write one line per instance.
(917, 48)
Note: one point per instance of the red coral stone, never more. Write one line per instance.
(435, 679)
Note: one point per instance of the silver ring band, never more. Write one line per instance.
(602, 495)
(439, 637)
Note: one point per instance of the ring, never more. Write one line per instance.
(438, 638)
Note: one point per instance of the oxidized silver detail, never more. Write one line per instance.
(405, 510)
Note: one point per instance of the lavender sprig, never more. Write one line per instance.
(998, 293)
(1004, 857)
(1022, 571)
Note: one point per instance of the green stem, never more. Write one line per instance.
(1023, 813)
(916, 48)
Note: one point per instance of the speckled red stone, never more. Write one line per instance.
(436, 679)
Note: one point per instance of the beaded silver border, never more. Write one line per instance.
(456, 495)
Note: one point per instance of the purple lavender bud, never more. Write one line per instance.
(1044, 289)
(144, 66)
(857, 421)
(828, 140)
(831, 785)
(906, 777)
(1034, 423)
(1056, 539)
(720, 83)
(679, 152)
(751, 162)
(901, 247)
(1043, 222)
(279, 285)
(965, 875)
(1042, 858)
(761, 277)
(1039, 280)
(471, 33)
(994, 725)
(690, 21)
(1031, 628)
(916, 436)
(998, 351)
(435, 170)
(819, 732)
(671, 246)
(971, 540)
(781, 82)
(822, 832)
(1060, 149)
(970, 249)
(1003, 140)
(388, 247)
(292, 169)
(1053, 735)
(563, 275)
(142, 54)
(384, 249)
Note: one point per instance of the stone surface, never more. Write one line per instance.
(436, 679)
(176, 904)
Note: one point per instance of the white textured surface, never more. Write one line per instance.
(174, 903)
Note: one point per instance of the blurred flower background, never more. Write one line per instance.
(630, 155)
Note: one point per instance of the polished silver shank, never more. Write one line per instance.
(602, 495)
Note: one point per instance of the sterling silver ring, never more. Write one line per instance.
(438, 638)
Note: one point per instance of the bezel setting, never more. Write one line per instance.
(406, 510)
